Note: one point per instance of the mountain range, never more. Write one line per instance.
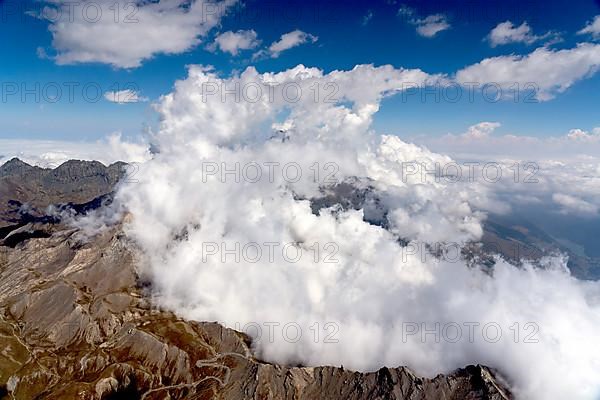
(77, 318)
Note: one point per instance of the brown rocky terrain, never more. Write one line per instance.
(77, 322)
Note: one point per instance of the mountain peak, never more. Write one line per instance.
(13, 166)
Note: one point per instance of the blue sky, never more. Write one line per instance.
(349, 33)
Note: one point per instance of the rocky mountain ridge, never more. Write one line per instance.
(26, 191)
(77, 321)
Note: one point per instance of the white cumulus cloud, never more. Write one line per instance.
(581, 135)
(428, 26)
(432, 25)
(290, 40)
(574, 204)
(233, 42)
(592, 28)
(123, 33)
(506, 32)
(547, 71)
(481, 130)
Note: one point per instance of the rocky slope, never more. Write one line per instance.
(76, 322)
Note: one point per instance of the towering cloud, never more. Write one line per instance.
(274, 208)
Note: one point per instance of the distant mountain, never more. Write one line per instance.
(29, 190)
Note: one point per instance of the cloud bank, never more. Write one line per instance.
(561, 174)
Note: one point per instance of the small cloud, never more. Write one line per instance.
(367, 18)
(571, 204)
(405, 11)
(232, 42)
(41, 53)
(506, 32)
(427, 27)
(481, 130)
(124, 96)
(576, 134)
(592, 28)
(430, 26)
(581, 135)
(286, 41)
